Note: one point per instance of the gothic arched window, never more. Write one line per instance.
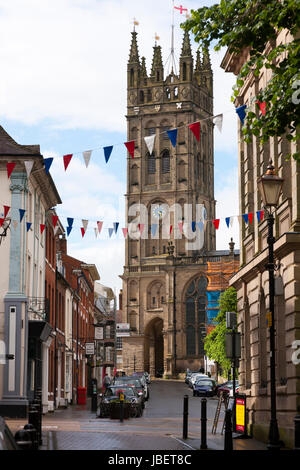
(151, 163)
(165, 162)
(195, 316)
(184, 71)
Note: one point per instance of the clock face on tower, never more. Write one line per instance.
(158, 212)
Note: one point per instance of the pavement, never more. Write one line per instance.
(160, 427)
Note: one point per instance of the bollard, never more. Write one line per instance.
(203, 424)
(297, 432)
(185, 416)
(228, 443)
(121, 407)
(32, 432)
(23, 440)
(33, 418)
(37, 402)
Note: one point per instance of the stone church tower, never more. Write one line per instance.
(167, 325)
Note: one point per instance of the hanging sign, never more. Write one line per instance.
(89, 349)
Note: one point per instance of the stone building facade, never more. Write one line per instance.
(251, 281)
(172, 278)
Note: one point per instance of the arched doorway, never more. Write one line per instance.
(154, 347)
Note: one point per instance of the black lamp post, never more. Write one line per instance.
(270, 186)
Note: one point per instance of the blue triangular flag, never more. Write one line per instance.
(107, 152)
(227, 221)
(201, 226)
(246, 218)
(22, 212)
(241, 112)
(110, 231)
(28, 225)
(70, 221)
(194, 226)
(172, 136)
(153, 229)
(116, 226)
(69, 230)
(48, 163)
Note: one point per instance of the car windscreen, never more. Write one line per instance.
(202, 382)
(115, 391)
(134, 382)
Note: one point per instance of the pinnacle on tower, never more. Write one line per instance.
(198, 62)
(206, 64)
(134, 53)
(186, 50)
(157, 64)
(143, 68)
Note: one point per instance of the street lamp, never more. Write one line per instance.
(270, 187)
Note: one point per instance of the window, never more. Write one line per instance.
(165, 162)
(119, 342)
(184, 71)
(149, 95)
(151, 163)
(142, 96)
(196, 301)
(131, 77)
(168, 93)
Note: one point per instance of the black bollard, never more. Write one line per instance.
(297, 432)
(121, 411)
(32, 432)
(38, 404)
(185, 416)
(33, 418)
(203, 424)
(228, 443)
(23, 440)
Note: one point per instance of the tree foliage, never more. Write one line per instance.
(214, 343)
(251, 25)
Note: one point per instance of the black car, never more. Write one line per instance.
(109, 402)
(135, 382)
(7, 440)
(204, 387)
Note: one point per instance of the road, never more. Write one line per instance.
(160, 427)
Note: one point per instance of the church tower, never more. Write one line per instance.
(169, 184)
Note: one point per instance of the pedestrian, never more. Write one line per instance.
(106, 382)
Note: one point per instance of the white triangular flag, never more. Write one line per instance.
(150, 142)
(55, 230)
(85, 224)
(218, 121)
(96, 232)
(87, 157)
(28, 166)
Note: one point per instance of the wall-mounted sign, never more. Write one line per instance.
(98, 332)
(122, 329)
(89, 349)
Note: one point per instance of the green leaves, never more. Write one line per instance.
(242, 25)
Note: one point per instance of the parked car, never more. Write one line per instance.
(135, 382)
(142, 377)
(236, 389)
(204, 387)
(148, 378)
(7, 440)
(188, 375)
(226, 388)
(110, 400)
(195, 376)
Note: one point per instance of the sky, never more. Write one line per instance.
(63, 86)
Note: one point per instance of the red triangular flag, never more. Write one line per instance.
(141, 228)
(67, 159)
(42, 228)
(125, 230)
(6, 210)
(1, 222)
(54, 220)
(261, 215)
(216, 223)
(180, 225)
(195, 128)
(262, 107)
(130, 147)
(250, 217)
(99, 224)
(171, 226)
(10, 167)
(82, 231)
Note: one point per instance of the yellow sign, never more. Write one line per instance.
(240, 415)
(121, 396)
